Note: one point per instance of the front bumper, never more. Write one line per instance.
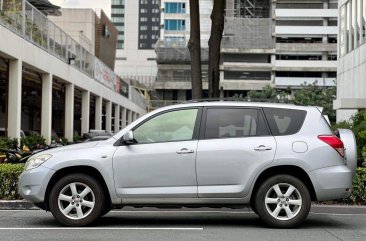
(332, 182)
(33, 183)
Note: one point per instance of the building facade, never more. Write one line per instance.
(51, 84)
(279, 43)
(351, 82)
(93, 30)
(138, 24)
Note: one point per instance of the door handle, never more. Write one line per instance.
(263, 148)
(185, 151)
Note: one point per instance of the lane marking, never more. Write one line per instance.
(106, 228)
(340, 214)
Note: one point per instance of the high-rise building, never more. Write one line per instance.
(279, 43)
(351, 84)
(138, 24)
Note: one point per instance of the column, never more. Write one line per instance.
(46, 116)
(15, 98)
(85, 111)
(69, 112)
(123, 114)
(98, 112)
(130, 117)
(108, 118)
(116, 118)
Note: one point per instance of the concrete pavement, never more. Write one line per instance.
(184, 224)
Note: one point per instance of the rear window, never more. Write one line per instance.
(232, 123)
(284, 121)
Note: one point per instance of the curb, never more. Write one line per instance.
(17, 205)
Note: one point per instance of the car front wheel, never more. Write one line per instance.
(283, 201)
(76, 200)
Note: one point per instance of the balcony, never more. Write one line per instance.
(306, 47)
(306, 13)
(306, 30)
(306, 65)
(284, 82)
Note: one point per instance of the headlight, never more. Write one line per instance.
(36, 161)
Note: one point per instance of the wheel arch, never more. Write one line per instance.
(294, 171)
(88, 170)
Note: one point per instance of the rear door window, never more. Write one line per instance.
(234, 122)
(284, 122)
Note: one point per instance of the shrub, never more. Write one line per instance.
(33, 141)
(9, 174)
(358, 195)
(7, 143)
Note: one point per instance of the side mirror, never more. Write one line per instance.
(128, 138)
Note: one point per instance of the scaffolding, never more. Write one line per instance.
(248, 25)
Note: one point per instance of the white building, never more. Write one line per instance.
(138, 23)
(351, 80)
(54, 83)
(280, 43)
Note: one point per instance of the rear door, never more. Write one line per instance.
(234, 145)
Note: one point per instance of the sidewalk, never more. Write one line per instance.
(315, 208)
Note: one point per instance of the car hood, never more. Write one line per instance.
(71, 147)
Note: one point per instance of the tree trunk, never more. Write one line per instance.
(217, 28)
(194, 46)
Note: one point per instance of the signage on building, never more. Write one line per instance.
(104, 75)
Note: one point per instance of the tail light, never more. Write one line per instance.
(334, 142)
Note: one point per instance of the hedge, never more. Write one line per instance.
(358, 195)
(9, 174)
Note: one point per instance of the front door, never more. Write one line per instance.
(161, 162)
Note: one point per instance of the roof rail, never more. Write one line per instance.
(243, 99)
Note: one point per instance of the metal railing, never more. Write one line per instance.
(24, 19)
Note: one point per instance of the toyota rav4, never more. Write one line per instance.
(276, 158)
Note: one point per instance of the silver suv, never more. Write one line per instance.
(276, 158)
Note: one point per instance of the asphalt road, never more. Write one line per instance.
(186, 224)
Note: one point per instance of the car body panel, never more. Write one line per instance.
(227, 167)
(156, 170)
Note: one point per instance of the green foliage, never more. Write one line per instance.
(308, 95)
(33, 142)
(358, 195)
(9, 174)
(313, 95)
(7, 143)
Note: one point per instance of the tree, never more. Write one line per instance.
(217, 28)
(308, 95)
(194, 46)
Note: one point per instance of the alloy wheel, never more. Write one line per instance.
(283, 201)
(76, 200)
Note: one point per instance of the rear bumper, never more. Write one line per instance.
(332, 182)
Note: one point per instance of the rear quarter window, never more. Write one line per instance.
(284, 122)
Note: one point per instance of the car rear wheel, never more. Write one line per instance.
(283, 201)
(76, 200)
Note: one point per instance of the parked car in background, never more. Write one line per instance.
(94, 134)
(2, 132)
(97, 138)
(276, 158)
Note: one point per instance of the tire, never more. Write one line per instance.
(283, 211)
(82, 206)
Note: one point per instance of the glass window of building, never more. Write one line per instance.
(175, 7)
(175, 25)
